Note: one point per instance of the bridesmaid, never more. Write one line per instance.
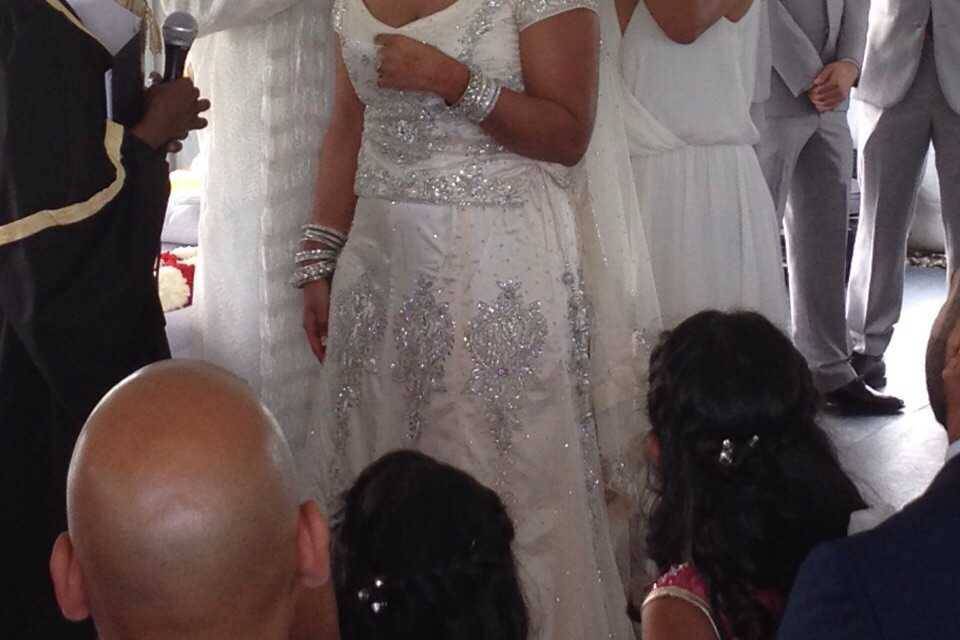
(709, 216)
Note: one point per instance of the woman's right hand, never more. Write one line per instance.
(316, 313)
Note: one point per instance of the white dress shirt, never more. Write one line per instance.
(953, 451)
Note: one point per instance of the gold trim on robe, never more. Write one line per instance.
(71, 214)
(58, 6)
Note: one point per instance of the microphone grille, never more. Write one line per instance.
(180, 29)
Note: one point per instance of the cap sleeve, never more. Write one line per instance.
(530, 12)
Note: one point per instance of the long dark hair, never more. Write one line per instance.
(422, 550)
(747, 483)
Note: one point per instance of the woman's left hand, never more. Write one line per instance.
(406, 64)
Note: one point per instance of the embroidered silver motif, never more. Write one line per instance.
(359, 324)
(530, 12)
(424, 338)
(336, 16)
(505, 340)
(409, 129)
(470, 185)
(479, 26)
(579, 318)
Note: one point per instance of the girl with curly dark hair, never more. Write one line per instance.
(422, 551)
(745, 481)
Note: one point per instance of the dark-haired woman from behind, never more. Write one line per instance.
(423, 551)
(745, 481)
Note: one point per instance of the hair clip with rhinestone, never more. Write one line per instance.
(727, 452)
(366, 596)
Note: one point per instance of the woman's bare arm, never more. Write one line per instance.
(675, 619)
(686, 20)
(335, 199)
(552, 119)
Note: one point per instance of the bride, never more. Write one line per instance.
(459, 321)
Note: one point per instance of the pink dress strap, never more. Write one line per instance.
(685, 583)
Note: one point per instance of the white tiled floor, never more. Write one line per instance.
(896, 458)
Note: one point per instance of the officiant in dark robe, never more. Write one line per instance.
(82, 201)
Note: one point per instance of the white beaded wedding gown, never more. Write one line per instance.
(459, 324)
(706, 208)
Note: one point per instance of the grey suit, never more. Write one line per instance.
(910, 91)
(807, 158)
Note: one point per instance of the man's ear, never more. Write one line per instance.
(68, 580)
(313, 543)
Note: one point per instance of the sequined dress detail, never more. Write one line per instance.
(459, 325)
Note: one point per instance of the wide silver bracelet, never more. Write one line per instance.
(478, 101)
(314, 272)
(324, 235)
(315, 255)
(317, 263)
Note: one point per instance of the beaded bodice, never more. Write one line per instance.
(415, 148)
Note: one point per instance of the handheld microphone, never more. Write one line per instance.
(179, 31)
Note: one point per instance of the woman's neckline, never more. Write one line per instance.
(412, 23)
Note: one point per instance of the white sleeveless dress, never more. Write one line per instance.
(458, 322)
(707, 211)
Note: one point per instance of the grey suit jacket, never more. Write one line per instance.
(796, 61)
(895, 43)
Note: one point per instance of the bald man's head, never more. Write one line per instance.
(182, 508)
(946, 322)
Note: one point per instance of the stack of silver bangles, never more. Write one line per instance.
(477, 102)
(318, 262)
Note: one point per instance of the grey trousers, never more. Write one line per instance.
(892, 158)
(808, 163)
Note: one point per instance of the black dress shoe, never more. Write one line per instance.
(871, 369)
(859, 399)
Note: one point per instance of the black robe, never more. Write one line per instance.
(81, 208)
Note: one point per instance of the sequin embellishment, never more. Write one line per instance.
(579, 319)
(505, 340)
(424, 338)
(478, 27)
(470, 185)
(336, 16)
(530, 12)
(359, 322)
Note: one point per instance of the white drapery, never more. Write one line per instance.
(263, 64)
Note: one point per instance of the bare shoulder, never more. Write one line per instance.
(740, 9)
(670, 618)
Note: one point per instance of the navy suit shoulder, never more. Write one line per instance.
(900, 580)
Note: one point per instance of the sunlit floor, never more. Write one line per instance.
(896, 458)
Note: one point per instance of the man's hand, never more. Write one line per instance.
(832, 85)
(173, 111)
